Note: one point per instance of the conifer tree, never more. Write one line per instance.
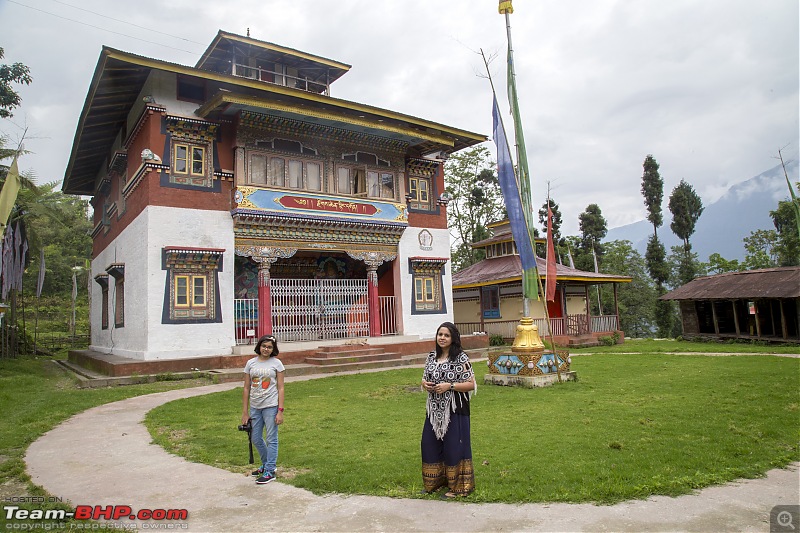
(686, 208)
(655, 256)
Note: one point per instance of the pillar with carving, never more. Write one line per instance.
(264, 296)
(373, 299)
(373, 260)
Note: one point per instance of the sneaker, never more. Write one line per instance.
(265, 478)
(258, 473)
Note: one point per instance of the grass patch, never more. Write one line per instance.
(632, 427)
(669, 346)
(35, 396)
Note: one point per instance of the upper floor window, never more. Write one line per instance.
(280, 171)
(361, 181)
(419, 193)
(191, 89)
(188, 159)
(191, 151)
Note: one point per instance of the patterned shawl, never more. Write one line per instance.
(440, 406)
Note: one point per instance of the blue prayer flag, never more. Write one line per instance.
(508, 185)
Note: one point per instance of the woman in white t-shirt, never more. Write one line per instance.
(262, 403)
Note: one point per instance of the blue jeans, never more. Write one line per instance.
(264, 419)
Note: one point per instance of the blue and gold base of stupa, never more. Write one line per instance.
(529, 364)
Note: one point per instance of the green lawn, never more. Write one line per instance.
(672, 345)
(37, 395)
(631, 427)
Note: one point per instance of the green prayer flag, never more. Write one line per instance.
(8, 196)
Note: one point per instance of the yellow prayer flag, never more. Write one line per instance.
(9, 194)
(505, 7)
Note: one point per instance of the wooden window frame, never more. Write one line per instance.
(191, 293)
(189, 159)
(104, 309)
(119, 302)
(269, 178)
(415, 200)
(355, 169)
(489, 297)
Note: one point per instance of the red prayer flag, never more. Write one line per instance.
(550, 289)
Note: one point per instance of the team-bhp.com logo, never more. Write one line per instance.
(163, 518)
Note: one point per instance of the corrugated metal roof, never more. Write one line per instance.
(509, 268)
(783, 282)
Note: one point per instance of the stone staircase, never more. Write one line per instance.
(345, 358)
(94, 369)
(583, 341)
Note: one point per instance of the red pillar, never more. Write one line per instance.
(374, 302)
(264, 297)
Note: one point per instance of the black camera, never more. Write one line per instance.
(249, 429)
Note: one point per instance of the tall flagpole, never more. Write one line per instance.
(529, 283)
(505, 7)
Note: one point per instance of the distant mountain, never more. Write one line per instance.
(724, 223)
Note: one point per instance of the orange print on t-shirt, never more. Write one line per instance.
(265, 383)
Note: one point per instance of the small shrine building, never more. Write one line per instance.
(488, 296)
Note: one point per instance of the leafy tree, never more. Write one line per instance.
(680, 267)
(636, 299)
(59, 223)
(787, 247)
(718, 264)
(476, 200)
(653, 192)
(14, 73)
(760, 246)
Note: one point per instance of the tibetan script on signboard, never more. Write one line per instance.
(331, 205)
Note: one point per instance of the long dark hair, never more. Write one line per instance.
(271, 339)
(455, 348)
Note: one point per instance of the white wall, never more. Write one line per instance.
(424, 325)
(139, 247)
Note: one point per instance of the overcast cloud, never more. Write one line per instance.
(710, 88)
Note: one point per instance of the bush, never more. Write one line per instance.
(495, 339)
(609, 340)
(606, 341)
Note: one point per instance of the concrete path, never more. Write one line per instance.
(104, 457)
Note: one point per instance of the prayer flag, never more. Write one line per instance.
(597, 287)
(8, 196)
(74, 285)
(569, 254)
(516, 216)
(40, 280)
(550, 290)
(530, 281)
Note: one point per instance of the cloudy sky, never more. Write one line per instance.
(710, 87)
